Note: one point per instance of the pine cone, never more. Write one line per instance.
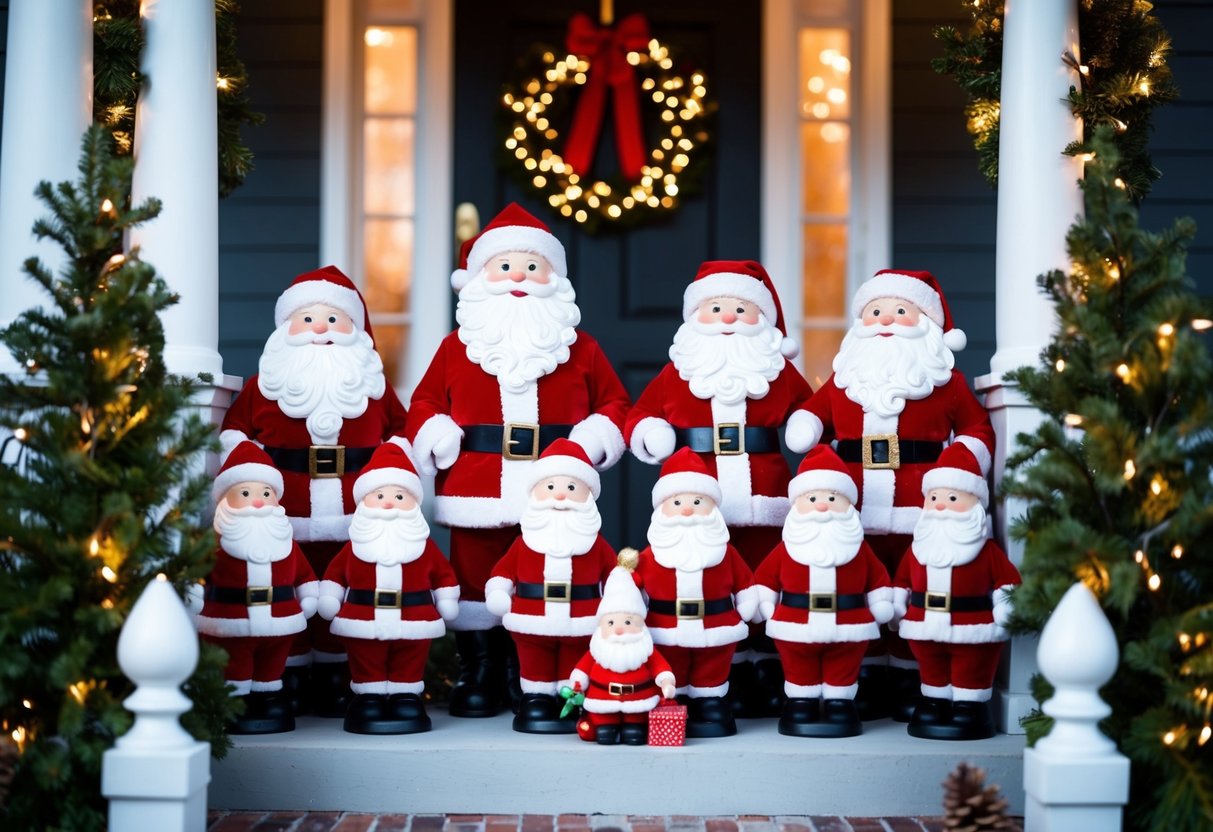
(972, 806)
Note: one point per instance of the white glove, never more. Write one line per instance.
(1002, 613)
(328, 606)
(659, 441)
(195, 599)
(308, 602)
(448, 608)
(446, 450)
(765, 610)
(747, 604)
(882, 611)
(498, 602)
(803, 431)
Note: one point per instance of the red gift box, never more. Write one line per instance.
(668, 724)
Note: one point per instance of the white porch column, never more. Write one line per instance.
(175, 161)
(48, 102)
(1038, 200)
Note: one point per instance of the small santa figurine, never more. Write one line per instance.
(320, 406)
(726, 391)
(547, 586)
(700, 590)
(260, 592)
(892, 403)
(516, 375)
(952, 600)
(387, 593)
(824, 595)
(622, 675)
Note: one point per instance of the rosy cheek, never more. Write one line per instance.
(708, 317)
(342, 326)
(750, 317)
(870, 320)
(298, 326)
(542, 278)
(497, 277)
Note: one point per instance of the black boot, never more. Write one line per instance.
(296, 688)
(474, 695)
(265, 712)
(539, 713)
(635, 733)
(768, 688)
(872, 699)
(607, 734)
(798, 715)
(407, 713)
(710, 716)
(932, 719)
(841, 718)
(972, 721)
(501, 645)
(368, 714)
(905, 689)
(330, 686)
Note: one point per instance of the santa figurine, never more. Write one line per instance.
(320, 406)
(726, 391)
(952, 599)
(387, 593)
(892, 403)
(260, 592)
(824, 595)
(515, 376)
(547, 586)
(622, 675)
(700, 590)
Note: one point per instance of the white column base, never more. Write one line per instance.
(157, 789)
(189, 361)
(1074, 794)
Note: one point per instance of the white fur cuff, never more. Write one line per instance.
(804, 430)
(601, 439)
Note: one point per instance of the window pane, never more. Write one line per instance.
(388, 249)
(820, 347)
(825, 73)
(826, 162)
(388, 176)
(391, 69)
(825, 271)
(391, 340)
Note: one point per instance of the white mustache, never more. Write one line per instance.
(892, 329)
(309, 337)
(504, 287)
(738, 327)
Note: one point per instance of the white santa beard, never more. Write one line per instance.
(881, 373)
(823, 538)
(728, 368)
(563, 532)
(621, 653)
(388, 536)
(950, 538)
(258, 535)
(688, 544)
(321, 383)
(518, 340)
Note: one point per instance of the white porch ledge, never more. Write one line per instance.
(483, 767)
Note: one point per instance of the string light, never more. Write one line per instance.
(1205, 733)
(1177, 551)
(21, 434)
(1166, 330)
(1139, 556)
(1154, 582)
(223, 83)
(1168, 738)
(1130, 469)
(1073, 420)
(1060, 365)
(94, 547)
(1185, 642)
(107, 206)
(1201, 324)
(1123, 371)
(1157, 484)
(109, 574)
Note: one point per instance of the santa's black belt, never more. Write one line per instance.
(690, 607)
(823, 601)
(621, 689)
(728, 439)
(514, 440)
(251, 596)
(389, 598)
(558, 591)
(947, 602)
(888, 451)
(320, 462)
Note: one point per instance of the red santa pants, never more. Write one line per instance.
(399, 660)
(474, 553)
(830, 663)
(968, 666)
(700, 671)
(889, 550)
(319, 554)
(545, 661)
(259, 658)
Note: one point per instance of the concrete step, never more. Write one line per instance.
(481, 766)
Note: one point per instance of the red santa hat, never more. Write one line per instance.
(959, 470)
(920, 289)
(565, 458)
(514, 229)
(745, 279)
(389, 465)
(328, 286)
(620, 594)
(822, 468)
(246, 463)
(685, 473)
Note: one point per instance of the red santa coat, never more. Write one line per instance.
(535, 616)
(987, 575)
(754, 485)
(596, 681)
(891, 500)
(730, 579)
(862, 575)
(319, 509)
(429, 572)
(280, 618)
(483, 489)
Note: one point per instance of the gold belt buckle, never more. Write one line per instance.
(718, 440)
(694, 603)
(620, 689)
(561, 591)
(394, 594)
(508, 442)
(248, 596)
(938, 601)
(823, 602)
(338, 462)
(894, 451)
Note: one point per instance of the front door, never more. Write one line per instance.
(629, 281)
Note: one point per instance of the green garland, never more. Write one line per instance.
(1122, 70)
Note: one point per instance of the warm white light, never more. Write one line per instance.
(21, 434)
(1168, 738)
(1205, 733)
(1073, 420)
(1154, 583)
(1177, 551)
(1060, 365)
(378, 37)
(222, 83)
(107, 205)
(817, 84)
(1130, 469)
(1123, 371)
(94, 547)
(1139, 556)
(821, 110)
(836, 95)
(1166, 330)
(828, 56)
(1201, 324)
(109, 574)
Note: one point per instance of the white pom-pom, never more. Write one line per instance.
(789, 348)
(955, 339)
(459, 279)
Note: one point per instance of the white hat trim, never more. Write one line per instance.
(828, 479)
(515, 238)
(379, 477)
(565, 466)
(246, 472)
(729, 284)
(685, 482)
(320, 291)
(957, 479)
(902, 286)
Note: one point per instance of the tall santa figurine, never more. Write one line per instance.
(727, 390)
(547, 586)
(387, 593)
(320, 406)
(515, 376)
(700, 590)
(260, 591)
(952, 599)
(892, 403)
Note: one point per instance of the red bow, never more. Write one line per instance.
(607, 49)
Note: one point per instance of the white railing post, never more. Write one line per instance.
(156, 775)
(1075, 779)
